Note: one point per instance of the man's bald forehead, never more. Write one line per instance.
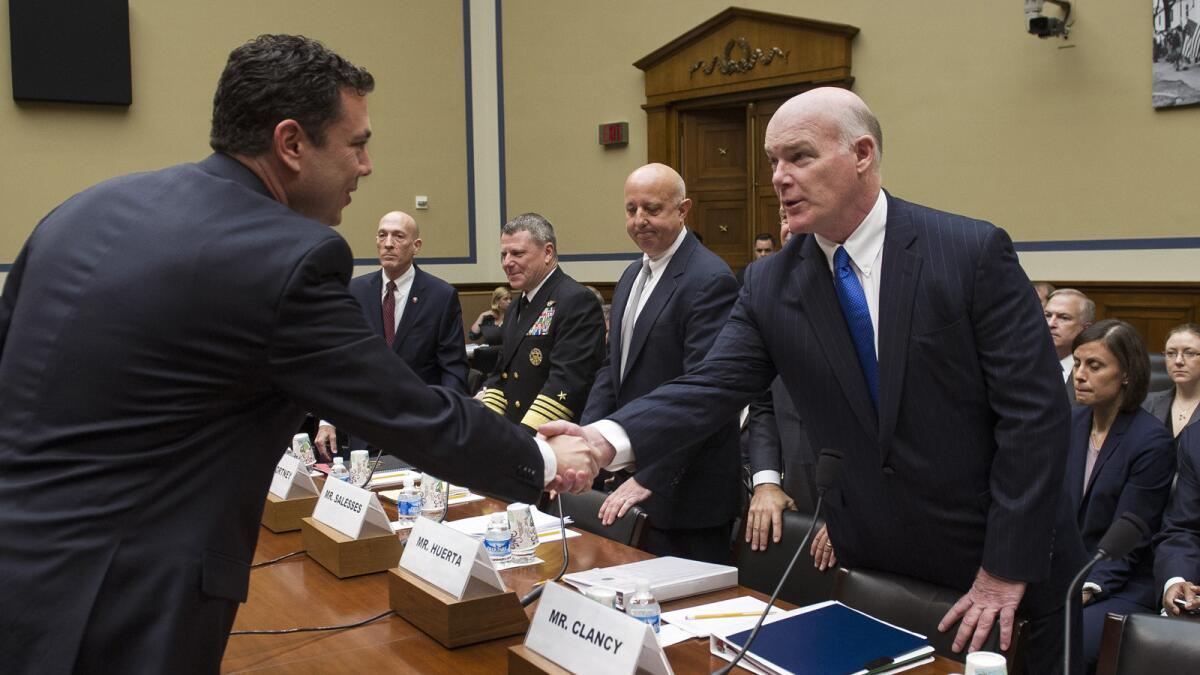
(662, 177)
(401, 219)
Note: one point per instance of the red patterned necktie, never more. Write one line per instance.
(389, 313)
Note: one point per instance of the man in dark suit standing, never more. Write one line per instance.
(553, 333)
(667, 310)
(161, 335)
(911, 341)
(417, 314)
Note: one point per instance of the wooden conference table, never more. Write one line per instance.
(299, 592)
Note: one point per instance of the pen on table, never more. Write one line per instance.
(726, 615)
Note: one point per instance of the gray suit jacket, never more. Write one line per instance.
(1158, 403)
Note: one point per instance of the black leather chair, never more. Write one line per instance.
(583, 510)
(484, 359)
(1159, 379)
(1148, 643)
(917, 606)
(761, 570)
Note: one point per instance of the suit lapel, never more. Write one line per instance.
(617, 317)
(1111, 442)
(901, 271)
(412, 306)
(529, 315)
(664, 288)
(373, 303)
(820, 303)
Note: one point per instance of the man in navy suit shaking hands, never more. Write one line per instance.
(910, 340)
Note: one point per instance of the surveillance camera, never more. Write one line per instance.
(1046, 26)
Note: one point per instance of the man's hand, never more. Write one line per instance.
(626, 495)
(1184, 590)
(989, 597)
(577, 466)
(821, 550)
(764, 520)
(605, 451)
(1088, 595)
(325, 442)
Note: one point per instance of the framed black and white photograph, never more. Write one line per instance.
(1176, 66)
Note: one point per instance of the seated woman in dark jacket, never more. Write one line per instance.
(1120, 459)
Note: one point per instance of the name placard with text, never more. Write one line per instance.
(291, 479)
(584, 636)
(351, 510)
(447, 558)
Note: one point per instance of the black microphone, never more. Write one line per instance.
(1122, 537)
(829, 464)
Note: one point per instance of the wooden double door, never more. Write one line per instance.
(728, 176)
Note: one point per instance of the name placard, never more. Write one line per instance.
(447, 558)
(291, 479)
(584, 636)
(351, 510)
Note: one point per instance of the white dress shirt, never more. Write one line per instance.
(1067, 364)
(865, 248)
(400, 295)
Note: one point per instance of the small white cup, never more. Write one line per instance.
(302, 447)
(986, 663)
(358, 466)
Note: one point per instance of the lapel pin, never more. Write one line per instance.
(414, 300)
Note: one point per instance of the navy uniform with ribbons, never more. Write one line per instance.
(553, 347)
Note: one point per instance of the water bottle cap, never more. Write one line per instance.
(339, 460)
(408, 482)
(499, 518)
(643, 585)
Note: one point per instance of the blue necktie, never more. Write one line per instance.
(858, 319)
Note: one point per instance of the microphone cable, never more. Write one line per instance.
(536, 593)
(281, 558)
(311, 629)
(827, 467)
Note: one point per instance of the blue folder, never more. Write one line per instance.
(833, 640)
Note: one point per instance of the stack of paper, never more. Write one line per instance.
(669, 578)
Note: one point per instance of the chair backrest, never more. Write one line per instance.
(474, 381)
(484, 359)
(918, 606)
(1159, 379)
(584, 510)
(761, 570)
(1148, 643)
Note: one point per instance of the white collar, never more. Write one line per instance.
(402, 281)
(665, 259)
(864, 244)
(530, 295)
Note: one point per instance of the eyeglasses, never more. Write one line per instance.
(1187, 354)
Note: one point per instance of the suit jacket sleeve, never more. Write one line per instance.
(576, 355)
(1145, 495)
(8, 302)
(451, 350)
(1031, 427)
(766, 448)
(324, 357)
(1177, 547)
(707, 312)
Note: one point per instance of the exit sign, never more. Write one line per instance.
(614, 133)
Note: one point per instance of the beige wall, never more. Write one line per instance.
(414, 49)
(978, 116)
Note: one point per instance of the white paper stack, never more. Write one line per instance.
(669, 578)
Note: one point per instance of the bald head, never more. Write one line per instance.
(824, 146)
(656, 205)
(398, 240)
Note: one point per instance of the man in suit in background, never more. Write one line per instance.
(417, 314)
(1067, 313)
(161, 335)
(909, 339)
(668, 308)
(553, 333)
(764, 245)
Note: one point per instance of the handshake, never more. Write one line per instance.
(581, 453)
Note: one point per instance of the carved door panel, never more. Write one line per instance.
(766, 204)
(715, 166)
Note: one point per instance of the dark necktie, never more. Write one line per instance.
(521, 303)
(629, 320)
(858, 319)
(389, 313)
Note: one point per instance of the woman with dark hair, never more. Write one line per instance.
(1120, 459)
(1178, 407)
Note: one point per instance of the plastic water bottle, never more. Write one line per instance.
(642, 605)
(339, 471)
(498, 539)
(408, 503)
